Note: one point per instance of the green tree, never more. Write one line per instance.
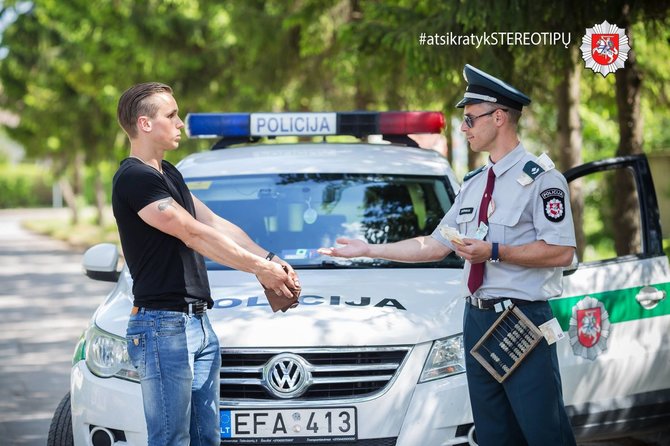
(67, 63)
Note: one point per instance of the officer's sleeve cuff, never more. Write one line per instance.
(437, 236)
(558, 239)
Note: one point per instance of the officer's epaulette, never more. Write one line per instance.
(473, 173)
(532, 169)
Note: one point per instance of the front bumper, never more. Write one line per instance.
(110, 403)
(427, 414)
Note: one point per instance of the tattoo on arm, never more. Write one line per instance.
(164, 204)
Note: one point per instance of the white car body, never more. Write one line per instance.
(407, 309)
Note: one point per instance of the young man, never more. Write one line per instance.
(165, 232)
(516, 219)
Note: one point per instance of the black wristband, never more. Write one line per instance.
(270, 256)
(495, 255)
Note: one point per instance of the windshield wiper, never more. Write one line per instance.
(349, 264)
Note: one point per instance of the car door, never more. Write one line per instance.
(613, 310)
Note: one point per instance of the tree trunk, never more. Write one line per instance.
(448, 133)
(78, 171)
(100, 200)
(628, 89)
(570, 140)
(70, 198)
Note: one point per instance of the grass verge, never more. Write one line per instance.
(81, 236)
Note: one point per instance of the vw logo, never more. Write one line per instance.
(286, 376)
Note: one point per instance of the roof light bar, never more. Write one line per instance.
(216, 125)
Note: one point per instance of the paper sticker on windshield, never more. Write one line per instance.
(199, 185)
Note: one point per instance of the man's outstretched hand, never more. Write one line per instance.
(351, 248)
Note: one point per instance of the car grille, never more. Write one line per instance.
(337, 373)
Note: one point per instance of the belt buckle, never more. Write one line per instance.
(476, 302)
(195, 308)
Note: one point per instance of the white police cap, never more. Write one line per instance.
(482, 87)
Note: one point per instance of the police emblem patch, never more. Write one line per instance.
(605, 48)
(589, 328)
(554, 204)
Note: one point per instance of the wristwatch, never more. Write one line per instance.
(270, 256)
(495, 253)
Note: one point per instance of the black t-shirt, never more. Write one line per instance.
(163, 268)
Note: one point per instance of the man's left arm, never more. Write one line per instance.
(538, 254)
(206, 216)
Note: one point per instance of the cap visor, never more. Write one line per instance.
(468, 101)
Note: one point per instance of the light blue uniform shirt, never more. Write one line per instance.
(521, 214)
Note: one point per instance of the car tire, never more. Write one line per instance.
(60, 431)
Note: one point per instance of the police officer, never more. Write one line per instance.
(516, 225)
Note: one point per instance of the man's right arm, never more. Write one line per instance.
(168, 216)
(418, 249)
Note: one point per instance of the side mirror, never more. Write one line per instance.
(100, 262)
(568, 270)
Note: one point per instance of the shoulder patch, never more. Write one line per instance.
(532, 169)
(473, 173)
(553, 201)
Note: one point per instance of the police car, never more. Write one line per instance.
(373, 355)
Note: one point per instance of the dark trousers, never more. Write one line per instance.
(527, 408)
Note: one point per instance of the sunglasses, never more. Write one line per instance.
(470, 120)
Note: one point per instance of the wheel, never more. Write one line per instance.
(60, 431)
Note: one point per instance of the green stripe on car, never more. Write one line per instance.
(620, 304)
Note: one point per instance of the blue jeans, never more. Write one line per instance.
(178, 359)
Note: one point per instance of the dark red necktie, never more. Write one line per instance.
(476, 276)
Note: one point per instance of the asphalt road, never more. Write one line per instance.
(45, 303)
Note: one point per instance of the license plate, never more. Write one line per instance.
(247, 425)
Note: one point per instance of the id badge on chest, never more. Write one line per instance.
(482, 231)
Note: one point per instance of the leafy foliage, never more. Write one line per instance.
(67, 63)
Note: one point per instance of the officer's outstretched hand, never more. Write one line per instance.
(351, 248)
(473, 250)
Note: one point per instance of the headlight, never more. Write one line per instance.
(107, 356)
(446, 358)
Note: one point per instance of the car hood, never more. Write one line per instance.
(338, 308)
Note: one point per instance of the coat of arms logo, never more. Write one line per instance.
(589, 328)
(605, 48)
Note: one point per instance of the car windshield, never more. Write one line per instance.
(295, 214)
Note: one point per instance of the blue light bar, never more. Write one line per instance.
(217, 125)
(214, 125)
